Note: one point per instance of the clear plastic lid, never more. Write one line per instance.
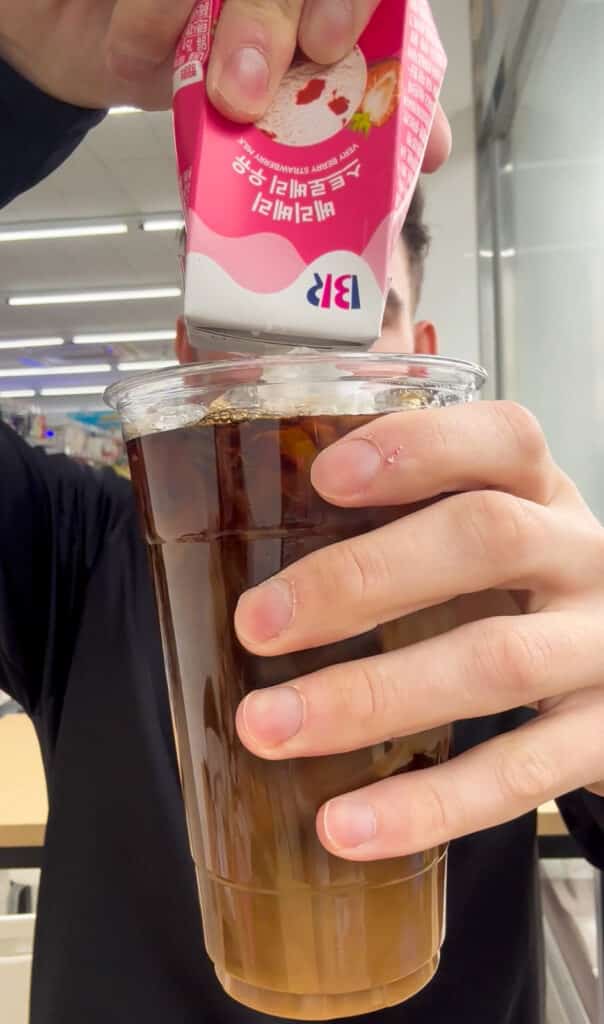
(293, 384)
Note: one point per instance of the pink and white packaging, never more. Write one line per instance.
(291, 222)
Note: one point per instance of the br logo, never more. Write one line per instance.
(329, 291)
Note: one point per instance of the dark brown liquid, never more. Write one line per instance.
(291, 929)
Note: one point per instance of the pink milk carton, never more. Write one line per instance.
(291, 221)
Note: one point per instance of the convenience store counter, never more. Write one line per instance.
(23, 802)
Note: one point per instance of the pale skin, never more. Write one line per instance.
(515, 523)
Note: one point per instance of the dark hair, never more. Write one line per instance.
(416, 237)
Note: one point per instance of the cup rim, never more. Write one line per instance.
(159, 382)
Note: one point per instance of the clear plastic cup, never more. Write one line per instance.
(220, 456)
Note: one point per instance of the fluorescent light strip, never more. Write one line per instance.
(147, 364)
(54, 371)
(124, 336)
(124, 110)
(72, 231)
(488, 254)
(32, 343)
(60, 392)
(163, 224)
(23, 393)
(109, 295)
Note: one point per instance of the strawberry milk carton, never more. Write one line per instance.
(291, 221)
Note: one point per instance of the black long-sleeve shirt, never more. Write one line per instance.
(118, 936)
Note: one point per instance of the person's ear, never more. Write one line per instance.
(183, 349)
(425, 339)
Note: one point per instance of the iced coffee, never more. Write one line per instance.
(221, 460)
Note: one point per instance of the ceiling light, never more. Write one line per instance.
(163, 224)
(124, 336)
(107, 295)
(23, 393)
(508, 254)
(32, 343)
(59, 392)
(124, 110)
(67, 231)
(54, 371)
(147, 364)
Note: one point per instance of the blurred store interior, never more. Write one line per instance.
(515, 282)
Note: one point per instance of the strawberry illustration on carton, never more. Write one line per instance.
(291, 222)
(381, 98)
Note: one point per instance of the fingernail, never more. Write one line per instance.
(346, 468)
(329, 22)
(130, 66)
(244, 80)
(264, 612)
(273, 716)
(349, 823)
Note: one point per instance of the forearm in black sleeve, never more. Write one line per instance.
(25, 570)
(55, 516)
(37, 133)
(583, 813)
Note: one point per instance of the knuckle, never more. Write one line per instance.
(361, 571)
(350, 572)
(523, 429)
(152, 32)
(365, 568)
(526, 774)
(513, 661)
(441, 434)
(436, 812)
(319, 579)
(499, 525)
(369, 694)
(433, 434)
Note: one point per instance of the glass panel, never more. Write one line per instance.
(553, 210)
(487, 18)
(569, 904)
(486, 277)
(481, 14)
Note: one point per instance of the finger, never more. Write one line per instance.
(411, 456)
(330, 28)
(253, 48)
(440, 143)
(465, 544)
(491, 784)
(482, 668)
(143, 35)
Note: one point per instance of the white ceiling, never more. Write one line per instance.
(124, 169)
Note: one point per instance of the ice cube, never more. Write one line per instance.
(313, 369)
(161, 418)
